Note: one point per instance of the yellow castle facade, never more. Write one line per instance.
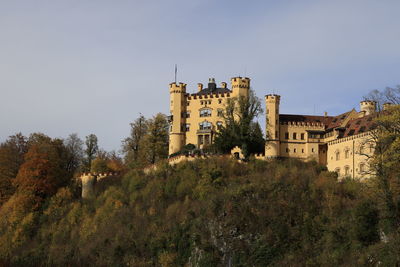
(195, 118)
(342, 142)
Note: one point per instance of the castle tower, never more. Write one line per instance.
(240, 86)
(88, 181)
(368, 107)
(177, 118)
(272, 125)
(387, 106)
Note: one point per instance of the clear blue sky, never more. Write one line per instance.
(80, 66)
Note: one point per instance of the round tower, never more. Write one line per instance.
(387, 106)
(88, 181)
(368, 107)
(177, 119)
(272, 102)
(240, 86)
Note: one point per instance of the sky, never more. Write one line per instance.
(92, 66)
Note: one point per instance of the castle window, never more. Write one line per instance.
(302, 136)
(205, 125)
(302, 150)
(219, 101)
(187, 103)
(362, 149)
(188, 114)
(207, 139)
(205, 113)
(312, 150)
(337, 170)
(219, 125)
(294, 150)
(287, 150)
(187, 127)
(276, 135)
(346, 170)
(286, 136)
(337, 155)
(220, 113)
(346, 153)
(294, 136)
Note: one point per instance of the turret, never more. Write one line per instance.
(88, 181)
(240, 86)
(367, 107)
(272, 102)
(387, 106)
(199, 87)
(177, 119)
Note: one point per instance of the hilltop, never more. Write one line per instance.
(211, 212)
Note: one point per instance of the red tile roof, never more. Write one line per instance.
(359, 125)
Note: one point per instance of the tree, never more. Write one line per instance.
(132, 144)
(91, 149)
(388, 95)
(239, 129)
(11, 157)
(384, 163)
(155, 142)
(45, 167)
(74, 146)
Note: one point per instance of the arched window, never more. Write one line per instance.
(205, 112)
(346, 153)
(205, 125)
(337, 153)
(346, 170)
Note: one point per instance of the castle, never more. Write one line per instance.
(342, 142)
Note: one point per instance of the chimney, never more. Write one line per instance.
(211, 84)
(223, 85)
(199, 87)
(326, 114)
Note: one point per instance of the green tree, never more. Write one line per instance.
(91, 149)
(132, 145)
(384, 164)
(240, 129)
(74, 147)
(155, 142)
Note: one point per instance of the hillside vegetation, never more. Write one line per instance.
(212, 212)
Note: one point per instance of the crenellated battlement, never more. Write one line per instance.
(303, 124)
(206, 96)
(240, 82)
(89, 179)
(272, 98)
(177, 88)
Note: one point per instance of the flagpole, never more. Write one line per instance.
(176, 70)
